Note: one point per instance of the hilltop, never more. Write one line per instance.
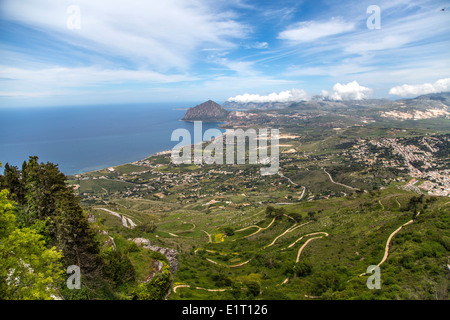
(207, 111)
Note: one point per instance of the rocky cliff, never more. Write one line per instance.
(207, 111)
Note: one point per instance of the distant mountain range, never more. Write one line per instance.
(422, 107)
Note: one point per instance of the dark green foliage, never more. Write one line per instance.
(12, 180)
(312, 215)
(302, 268)
(221, 280)
(156, 288)
(229, 231)
(75, 237)
(253, 288)
(273, 212)
(236, 290)
(328, 279)
(51, 208)
(296, 216)
(118, 268)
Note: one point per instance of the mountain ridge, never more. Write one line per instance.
(208, 111)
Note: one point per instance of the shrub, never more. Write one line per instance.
(253, 287)
(302, 269)
(156, 288)
(118, 267)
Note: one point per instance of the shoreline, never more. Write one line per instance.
(159, 153)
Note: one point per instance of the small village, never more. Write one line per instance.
(428, 172)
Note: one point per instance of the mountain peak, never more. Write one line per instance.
(206, 111)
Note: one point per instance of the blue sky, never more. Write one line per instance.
(179, 50)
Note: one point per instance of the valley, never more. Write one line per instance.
(310, 231)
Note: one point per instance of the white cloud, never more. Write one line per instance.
(162, 34)
(256, 45)
(284, 96)
(52, 81)
(243, 68)
(349, 91)
(384, 43)
(405, 90)
(311, 30)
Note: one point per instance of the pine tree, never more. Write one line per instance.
(13, 182)
(75, 237)
(50, 204)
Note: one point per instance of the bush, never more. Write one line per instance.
(221, 280)
(229, 231)
(253, 287)
(148, 227)
(329, 279)
(296, 216)
(118, 267)
(273, 212)
(302, 269)
(156, 288)
(433, 249)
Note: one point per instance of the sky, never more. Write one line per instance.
(85, 52)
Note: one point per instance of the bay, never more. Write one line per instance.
(86, 138)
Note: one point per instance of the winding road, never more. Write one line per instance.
(290, 229)
(198, 288)
(209, 236)
(386, 250)
(289, 179)
(341, 184)
(255, 226)
(306, 243)
(295, 226)
(303, 247)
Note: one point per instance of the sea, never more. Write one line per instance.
(87, 138)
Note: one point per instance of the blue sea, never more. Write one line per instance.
(86, 138)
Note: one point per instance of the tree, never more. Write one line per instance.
(50, 207)
(273, 212)
(302, 269)
(1, 178)
(118, 267)
(296, 216)
(43, 183)
(28, 270)
(236, 290)
(156, 288)
(12, 181)
(229, 231)
(270, 211)
(75, 237)
(312, 215)
(253, 287)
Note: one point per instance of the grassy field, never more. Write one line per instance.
(357, 227)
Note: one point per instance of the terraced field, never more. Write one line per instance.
(324, 252)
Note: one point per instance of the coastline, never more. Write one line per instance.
(159, 153)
